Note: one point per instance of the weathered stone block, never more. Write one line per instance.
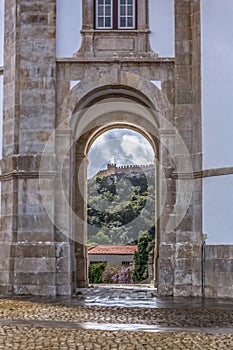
(184, 250)
(63, 249)
(36, 236)
(40, 290)
(167, 250)
(63, 265)
(30, 278)
(36, 250)
(35, 265)
(183, 290)
(65, 290)
(5, 277)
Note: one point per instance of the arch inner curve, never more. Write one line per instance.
(104, 113)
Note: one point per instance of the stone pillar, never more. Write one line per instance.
(65, 263)
(187, 278)
(27, 234)
(180, 238)
(166, 241)
(80, 209)
(87, 14)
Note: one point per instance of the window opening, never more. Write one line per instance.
(126, 14)
(104, 14)
(115, 14)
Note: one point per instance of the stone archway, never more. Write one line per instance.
(93, 106)
(110, 113)
(38, 175)
(81, 117)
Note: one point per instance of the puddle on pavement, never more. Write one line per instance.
(151, 328)
(142, 296)
(127, 302)
(121, 327)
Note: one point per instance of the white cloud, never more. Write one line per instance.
(120, 145)
(137, 149)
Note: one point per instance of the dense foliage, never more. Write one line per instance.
(96, 272)
(118, 208)
(102, 273)
(145, 241)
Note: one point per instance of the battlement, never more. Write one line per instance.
(131, 169)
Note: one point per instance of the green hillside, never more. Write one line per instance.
(119, 207)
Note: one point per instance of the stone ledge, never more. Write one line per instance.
(28, 163)
(116, 31)
(27, 175)
(203, 173)
(110, 60)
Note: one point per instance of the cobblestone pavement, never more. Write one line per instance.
(67, 323)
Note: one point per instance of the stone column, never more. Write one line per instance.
(65, 263)
(87, 28)
(87, 14)
(167, 197)
(143, 26)
(187, 279)
(80, 209)
(27, 234)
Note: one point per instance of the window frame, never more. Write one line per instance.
(96, 7)
(98, 262)
(127, 263)
(115, 16)
(133, 16)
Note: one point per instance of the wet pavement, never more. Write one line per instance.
(142, 296)
(115, 317)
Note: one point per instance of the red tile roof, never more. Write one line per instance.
(113, 249)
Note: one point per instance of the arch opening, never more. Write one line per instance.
(121, 206)
(106, 114)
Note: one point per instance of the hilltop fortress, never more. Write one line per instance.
(130, 170)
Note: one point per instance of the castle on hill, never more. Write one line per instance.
(128, 170)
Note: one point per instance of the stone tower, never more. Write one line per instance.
(49, 128)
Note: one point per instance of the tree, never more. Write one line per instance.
(140, 272)
(101, 238)
(113, 205)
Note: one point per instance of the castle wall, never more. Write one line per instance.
(126, 169)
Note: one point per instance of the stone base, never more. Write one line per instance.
(6, 289)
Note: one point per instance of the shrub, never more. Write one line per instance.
(96, 272)
(118, 274)
(109, 273)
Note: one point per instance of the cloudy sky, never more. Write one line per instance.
(217, 98)
(122, 147)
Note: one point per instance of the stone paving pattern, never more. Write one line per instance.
(23, 310)
(29, 324)
(16, 337)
